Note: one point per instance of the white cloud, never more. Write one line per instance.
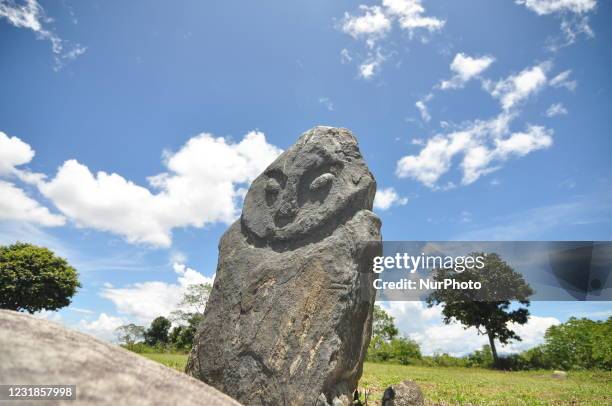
(563, 80)
(485, 145)
(203, 185)
(103, 327)
(373, 23)
(410, 15)
(178, 256)
(48, 315)
(572, 28)
(543, 7)
(556, 109)
(387, 197)
(30, 15)
(516, 88)
(422, 107)
(572, 13)
(481, 159)
(433, 160)
(147, 300)
(327, 103)
(424, 325)
(345, 56)
(465, 217)
(482, 146)
(371, 65)
(522, 143)
(15, 205)
(13, 152)
(466, 68)
(79, 310)
(531, 333)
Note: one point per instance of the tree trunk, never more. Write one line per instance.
(493, 350)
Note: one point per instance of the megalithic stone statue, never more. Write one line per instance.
(289, 318)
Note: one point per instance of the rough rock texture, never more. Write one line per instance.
(290, 314)
(39, 352)
(406, 393)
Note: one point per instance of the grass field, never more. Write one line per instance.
(473, 386)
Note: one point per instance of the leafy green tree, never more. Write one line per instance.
(182, 336)
(157, 333)
(130, 333)
(404, 350)
(536, 358)
(383, 325)
(386, 345)
(194, 300)
(33, 278)
(487, 310)
(196, 297)
(580, 344)
(174, 336)
(481, 358)
(399, 350)
(383, 331)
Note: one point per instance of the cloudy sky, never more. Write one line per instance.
(129, 132)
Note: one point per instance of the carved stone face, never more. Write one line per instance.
(320, 181)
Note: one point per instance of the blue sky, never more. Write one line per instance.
(480, 120)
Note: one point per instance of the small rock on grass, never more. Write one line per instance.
(559, 374)
(406, 393)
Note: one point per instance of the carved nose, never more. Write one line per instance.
(287, 209)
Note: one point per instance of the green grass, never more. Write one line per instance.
(451, 386)
(473, 386)
(176, 361)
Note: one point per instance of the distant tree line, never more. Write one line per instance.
(577, 344)
(173, 334)
(387, 345)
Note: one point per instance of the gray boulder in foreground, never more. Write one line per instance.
(406, 393)
(289, 318)
(39, 352)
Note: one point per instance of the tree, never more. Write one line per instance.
(182, 336)
(196, 297)
(404, 350)
(157, 333)
(481, 358)
(386, 345)
(194, 300)
(488, 309)
(383, 325)
(32, 278)
(580, 344)
(174, 337)
(130, 333)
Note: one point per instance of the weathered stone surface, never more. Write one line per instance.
(290, 314)
(406, 393)
(39, 352)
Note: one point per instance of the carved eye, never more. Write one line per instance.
(321, 181)
(272, 187)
